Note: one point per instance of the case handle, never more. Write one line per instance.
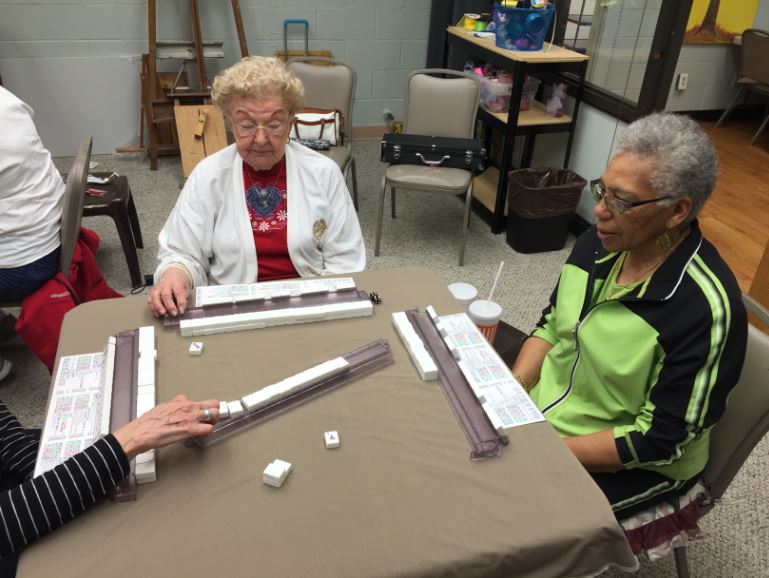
(432, 163)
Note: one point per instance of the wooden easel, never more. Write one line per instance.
(158, 107)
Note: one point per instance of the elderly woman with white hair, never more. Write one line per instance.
(645, 333)
(261, 209)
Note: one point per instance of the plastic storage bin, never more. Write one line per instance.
(495, 94)
(541, 203)
(522, 28)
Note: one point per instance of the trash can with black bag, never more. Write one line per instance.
(541, 203)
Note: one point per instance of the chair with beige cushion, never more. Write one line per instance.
(330, 84)
(440, 103)
(743, 425)
(754, 72)
(71, 210)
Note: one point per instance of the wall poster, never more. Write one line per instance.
(717, 22)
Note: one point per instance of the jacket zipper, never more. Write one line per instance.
(586, 311)
(574, 365)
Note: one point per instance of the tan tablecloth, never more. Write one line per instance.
(399, 498)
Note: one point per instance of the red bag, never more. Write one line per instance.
(84, 274)
(42, 312)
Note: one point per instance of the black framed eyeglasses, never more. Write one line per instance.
(616, 205)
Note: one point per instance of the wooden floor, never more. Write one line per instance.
(736, 218)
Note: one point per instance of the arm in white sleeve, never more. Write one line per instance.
(186, 239)
(342, 244)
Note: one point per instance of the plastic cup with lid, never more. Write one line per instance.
(464, 293)
(485, 314)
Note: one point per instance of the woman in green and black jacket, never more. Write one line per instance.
(645, 333)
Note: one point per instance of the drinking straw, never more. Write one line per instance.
(494, 285)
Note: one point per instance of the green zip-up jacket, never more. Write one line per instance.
(655, 366)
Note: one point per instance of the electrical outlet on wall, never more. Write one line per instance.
(683, 81)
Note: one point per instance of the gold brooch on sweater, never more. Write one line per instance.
(318, 229)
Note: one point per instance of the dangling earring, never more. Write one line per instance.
(663, 242)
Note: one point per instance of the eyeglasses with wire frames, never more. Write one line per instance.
(616, 205)
(246, 129)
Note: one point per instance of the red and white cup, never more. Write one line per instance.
(485, 314)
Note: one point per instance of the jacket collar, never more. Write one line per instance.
(667, 278)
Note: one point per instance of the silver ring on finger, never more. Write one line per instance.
(208, 415)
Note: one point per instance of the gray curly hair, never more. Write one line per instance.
(257, 77)
(685, 162)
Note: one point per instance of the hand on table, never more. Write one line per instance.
(166, 423)
(171, 294)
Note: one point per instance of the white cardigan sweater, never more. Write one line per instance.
(209, 234)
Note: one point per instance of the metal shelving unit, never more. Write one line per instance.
(529, 123)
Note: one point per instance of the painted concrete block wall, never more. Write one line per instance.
(762, 16)
(71, 102)
(712, 71)
(383, 39)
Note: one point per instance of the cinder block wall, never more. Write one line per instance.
(383, 39)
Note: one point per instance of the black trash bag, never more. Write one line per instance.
(541, 203)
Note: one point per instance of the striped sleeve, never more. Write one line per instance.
(701, 365)
(545, 328)
(42, 504)
(18, 447)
